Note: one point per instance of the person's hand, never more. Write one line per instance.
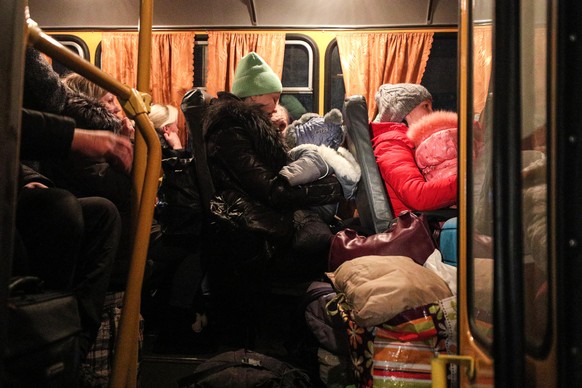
(173, 140)
(117, 150)
(34, 185)
(127, 128)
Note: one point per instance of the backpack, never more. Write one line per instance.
(244, 368)
(330, 333)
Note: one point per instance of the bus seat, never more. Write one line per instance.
(371, 198)
(193, 105)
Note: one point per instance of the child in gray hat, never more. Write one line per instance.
(399, 106)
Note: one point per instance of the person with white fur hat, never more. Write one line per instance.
(165, 121)
(245, 153)
(401, 106)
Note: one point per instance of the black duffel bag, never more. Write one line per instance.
(244, 368)
(42, 348)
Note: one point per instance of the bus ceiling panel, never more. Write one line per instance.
(71, 14)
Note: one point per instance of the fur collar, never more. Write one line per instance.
(230, 113)
(90, 113)
(431, 123)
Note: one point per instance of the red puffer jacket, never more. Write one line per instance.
(404, 182)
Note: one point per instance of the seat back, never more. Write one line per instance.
(371, 198)
(193, 106)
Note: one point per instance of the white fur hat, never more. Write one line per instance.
(162, 115)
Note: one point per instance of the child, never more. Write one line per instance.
(436, 148)
(316, 152)
(435, 140)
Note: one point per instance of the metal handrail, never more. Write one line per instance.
(145, 175)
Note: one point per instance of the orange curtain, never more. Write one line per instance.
(172, 65)
(225, 49)
(398, 57)
(482, 61)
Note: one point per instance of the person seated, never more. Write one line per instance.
(178, 271)
(435, 141)
(178, 209)
(245, 154)
(81, 89)
(401, 106)
(81, 175)
(69, 242)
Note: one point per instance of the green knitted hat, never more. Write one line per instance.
(253, 77)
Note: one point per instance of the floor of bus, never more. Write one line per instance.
(282, 334)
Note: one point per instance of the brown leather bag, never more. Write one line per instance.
(408, 235)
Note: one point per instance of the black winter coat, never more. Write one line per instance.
(83, 177)
(245, 153)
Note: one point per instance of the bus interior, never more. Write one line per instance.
(510, 72)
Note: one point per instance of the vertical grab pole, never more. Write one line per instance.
(145, 178)
(143, 85)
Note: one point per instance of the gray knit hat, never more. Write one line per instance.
(396, 101)
(253, 77)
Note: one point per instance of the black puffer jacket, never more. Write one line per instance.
(245, 153)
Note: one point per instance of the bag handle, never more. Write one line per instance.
(25, 284)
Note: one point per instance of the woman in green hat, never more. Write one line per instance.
(268, 220)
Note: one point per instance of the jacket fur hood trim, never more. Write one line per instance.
(431, 123)
(89, 113)
(228, 112)
(341, 160)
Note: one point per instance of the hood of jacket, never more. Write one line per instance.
(430, 124)
(89, 113)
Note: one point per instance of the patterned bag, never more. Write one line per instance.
(96, 370)
(399, 351)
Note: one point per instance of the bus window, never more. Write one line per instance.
(481, 295)
(298, 72)
(534, 176)
(440, 75)
(534, 184)
(200, 61)
(76, 45)
(335, 89)
(299, 68)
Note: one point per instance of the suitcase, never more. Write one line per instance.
(42, 348)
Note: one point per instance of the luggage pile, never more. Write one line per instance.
(397, 316)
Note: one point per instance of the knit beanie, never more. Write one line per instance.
(253, 77)
(396, 101)
(311, 128)
(162, 115)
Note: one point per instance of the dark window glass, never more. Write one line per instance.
(200, 61)
(76, 45)
(296, 66)
(440, 76)
(335, 80)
